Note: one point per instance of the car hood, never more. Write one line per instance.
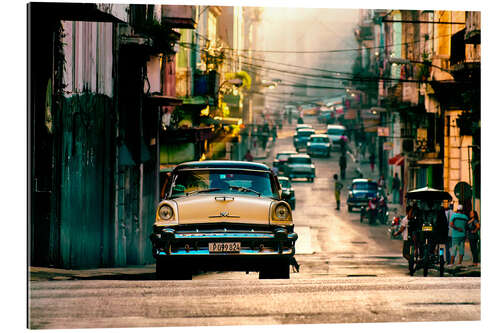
(223, 208)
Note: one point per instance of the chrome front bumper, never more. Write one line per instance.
(168, 242)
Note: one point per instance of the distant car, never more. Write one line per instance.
(319, 144)
(301, 137)
(223, 216)
(300, 166)
(300, 126)
(360, 192)
(287, 191)
(326, 116)
(281, 159)
(336, 133)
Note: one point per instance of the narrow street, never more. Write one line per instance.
(349, 272)
(145, 207)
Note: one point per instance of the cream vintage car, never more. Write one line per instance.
(223, 216)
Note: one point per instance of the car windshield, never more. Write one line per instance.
(299, 160)
(319, 140)
(285, 183)
(365, 186)
(192, 182)
(335, 131)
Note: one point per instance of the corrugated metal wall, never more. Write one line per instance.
(86, 181)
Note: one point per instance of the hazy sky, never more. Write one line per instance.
(308, 29)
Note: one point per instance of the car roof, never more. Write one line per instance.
(299, 126)
(306, 130)
(222, 164)
(363, 180)
(290, 152)
(301, 155)
(319, 136)
(335, 127)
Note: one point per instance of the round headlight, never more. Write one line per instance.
(166, 212)
(282, 212)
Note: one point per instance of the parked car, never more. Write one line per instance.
(319, 144)
(223, 215)
(360, 192)
(281, 159)
(336, 133)
(287, 191)
(300, 166)
(301, 137)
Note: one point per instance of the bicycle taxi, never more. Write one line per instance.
(427, 229)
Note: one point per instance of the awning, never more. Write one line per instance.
(430, 161)
(397, 159)
(161, 100)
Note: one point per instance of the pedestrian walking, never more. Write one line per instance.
(457, 224)
(372, 161)
(381, 184)
(396, 188)
(274, 132)
(403, 229)
(448, 213)
(342, 165)
(472, 234)
(338, 188)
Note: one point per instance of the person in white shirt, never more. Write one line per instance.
(404, 230)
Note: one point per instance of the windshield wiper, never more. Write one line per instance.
(204, 191)
(245, 189)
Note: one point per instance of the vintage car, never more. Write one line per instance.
(360, 192)
(319, 144)
(300, 126)
(336, 133)
(223, 216)
(281, 159)
(301, 137)
(300, 166)
(287, 191)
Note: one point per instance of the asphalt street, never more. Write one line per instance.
(349, 273)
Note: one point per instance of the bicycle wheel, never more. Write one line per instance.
(425, 260)
(412, 260)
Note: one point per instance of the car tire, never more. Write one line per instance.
(280, 269)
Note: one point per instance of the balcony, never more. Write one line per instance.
(179, 16)
(473, 27)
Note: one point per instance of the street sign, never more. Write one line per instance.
(388, 145)
(463, 191)
(383, 131)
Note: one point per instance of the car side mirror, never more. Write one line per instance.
(179, 188)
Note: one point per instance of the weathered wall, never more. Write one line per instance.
(86, 184)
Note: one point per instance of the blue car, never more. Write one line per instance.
(319, 144)
(301, 137)
(360, 192)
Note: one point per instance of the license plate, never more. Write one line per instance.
(427, 228)
(233, 247)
